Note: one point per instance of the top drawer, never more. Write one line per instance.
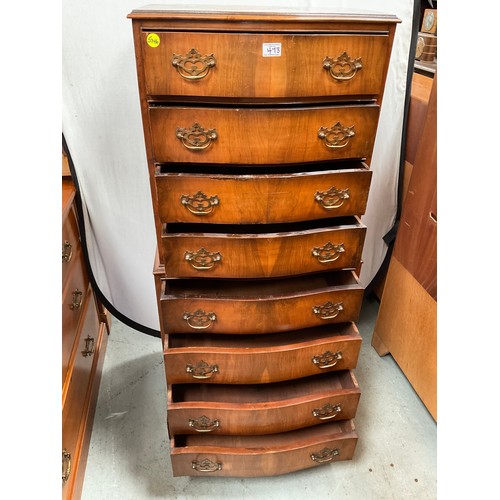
(264, 65)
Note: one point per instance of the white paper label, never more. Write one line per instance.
(271, 49)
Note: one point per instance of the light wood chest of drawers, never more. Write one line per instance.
(259, 130)
(85, 329)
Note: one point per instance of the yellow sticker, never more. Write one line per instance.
(153, 40)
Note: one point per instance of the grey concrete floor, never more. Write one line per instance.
(128, 458)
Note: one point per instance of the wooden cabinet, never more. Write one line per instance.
(259, 131)
(406, 325)
(85, 329)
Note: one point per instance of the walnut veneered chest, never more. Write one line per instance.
(259, 131)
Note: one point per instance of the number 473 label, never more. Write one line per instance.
(271, 49)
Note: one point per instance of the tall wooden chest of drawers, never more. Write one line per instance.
(259, 130)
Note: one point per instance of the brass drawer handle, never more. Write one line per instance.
(204, 424)
(77, 300)
(336, 136)
(333, 198)
(193, 66)
(66, 465)
(203, 260)
(89, 347)
(202, 370)
(327, 360)
(206, 465)
(327, 412)
(328, 310)
(325, 455)
(67, 251)
(199, 320)
(200, 203)
(342, 68)
(196, 138)
(328, 253)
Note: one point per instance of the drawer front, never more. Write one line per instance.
(229, 314)
(75, 296)
(268, 455)
(264, 255)
(88, 333)
(257, 409)
(251, 359)
(262, 199)
(70, 244)
(265, 136)
(272, 65)
(75, 404)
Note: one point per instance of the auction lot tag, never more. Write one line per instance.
(271, 49)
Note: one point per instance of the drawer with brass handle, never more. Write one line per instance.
(214, 455)
(262, 251)
(81, 354)
(70, 243)
(258, 359)
(212, 65)
(263, 197)
(74, 298)
(77, 380)
(274, 304)
(262, 409)
(262, 135)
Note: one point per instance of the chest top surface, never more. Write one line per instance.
(299, 11)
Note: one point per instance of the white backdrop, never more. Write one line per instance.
(102, 126)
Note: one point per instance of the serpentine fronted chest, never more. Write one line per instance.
(259, 130)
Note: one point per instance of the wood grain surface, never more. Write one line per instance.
(416, 241)
(262, 135)
(257, 359)
(274, 306)
(263, 408)
(268, 455)
(293, 251)
(297, 72)
(407, 328)
(265, 198)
